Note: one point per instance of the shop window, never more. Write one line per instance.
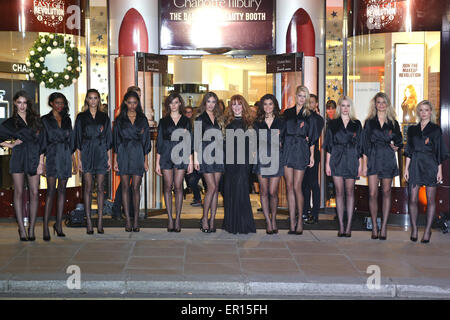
(404, 65)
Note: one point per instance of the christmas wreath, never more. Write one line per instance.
(39, 72)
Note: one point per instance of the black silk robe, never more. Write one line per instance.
(93, 137)
(238, 215)
(132, 143)
(205, 121)
(279, 127)
(164, 143)
(344, 146)
(377, 148)
(60, 145)
(301, 134)
(427, 151)
(25, 156)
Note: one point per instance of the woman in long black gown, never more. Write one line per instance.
(238, 215)
(269, 122)
(210, 119)
(381, 140)
(132, 144)
(93, 141)
(27, 159)
(425, 151)
(59, 158)
(171, 171)
(344, 159)
(298, 154)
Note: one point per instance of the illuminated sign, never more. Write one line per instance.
(8, 67)
(211, 25)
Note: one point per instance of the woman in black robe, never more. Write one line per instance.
(238, 215)
(269, 122)
(132, 144)
(298, 154)
(173, 170)
(381, 140)
(344, 159)
(59, 158)
(425, 151)
(210, 120)
(93, 141)
(27, 159)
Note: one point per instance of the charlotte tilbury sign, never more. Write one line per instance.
(289, 62)
(56, 16)
(213, 25)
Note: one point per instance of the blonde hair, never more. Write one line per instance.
(433, 111)
(390, 112)
(306, 111)
(352, 114)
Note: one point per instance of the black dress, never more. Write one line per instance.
(205, 121)
(301, 134)
(345, 147)
(238, 215)
(427, 151)
(164, 145)
(25, 156)
(131, 142)
(60, 145)
(93, 137)
(377, 148)
(279, 128)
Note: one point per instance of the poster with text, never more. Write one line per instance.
(409, 80)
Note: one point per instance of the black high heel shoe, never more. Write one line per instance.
(100, 231)
(341, 235)
(46, 238)
(61, 234)
(33, 238)
(136, 229)
(413, 239)
(22, 238)
(426, 241)
(374, 236)
(202, 229)
(382, 237)
(348, 235)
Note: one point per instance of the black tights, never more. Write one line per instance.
(173, 179)
(345, 188)
(294, 180)
(51, 190)
(33, 186)
(211, 198)
(136, 187)
(88, 181)
(268, 189)
(413, 210)
(386, 185)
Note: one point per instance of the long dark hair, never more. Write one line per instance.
(32, 117)
(169, 100)
(56, 95)
(261, 115)
(218, 113)
(124, 108)
(86, 105)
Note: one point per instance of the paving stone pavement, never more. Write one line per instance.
(154, 261)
